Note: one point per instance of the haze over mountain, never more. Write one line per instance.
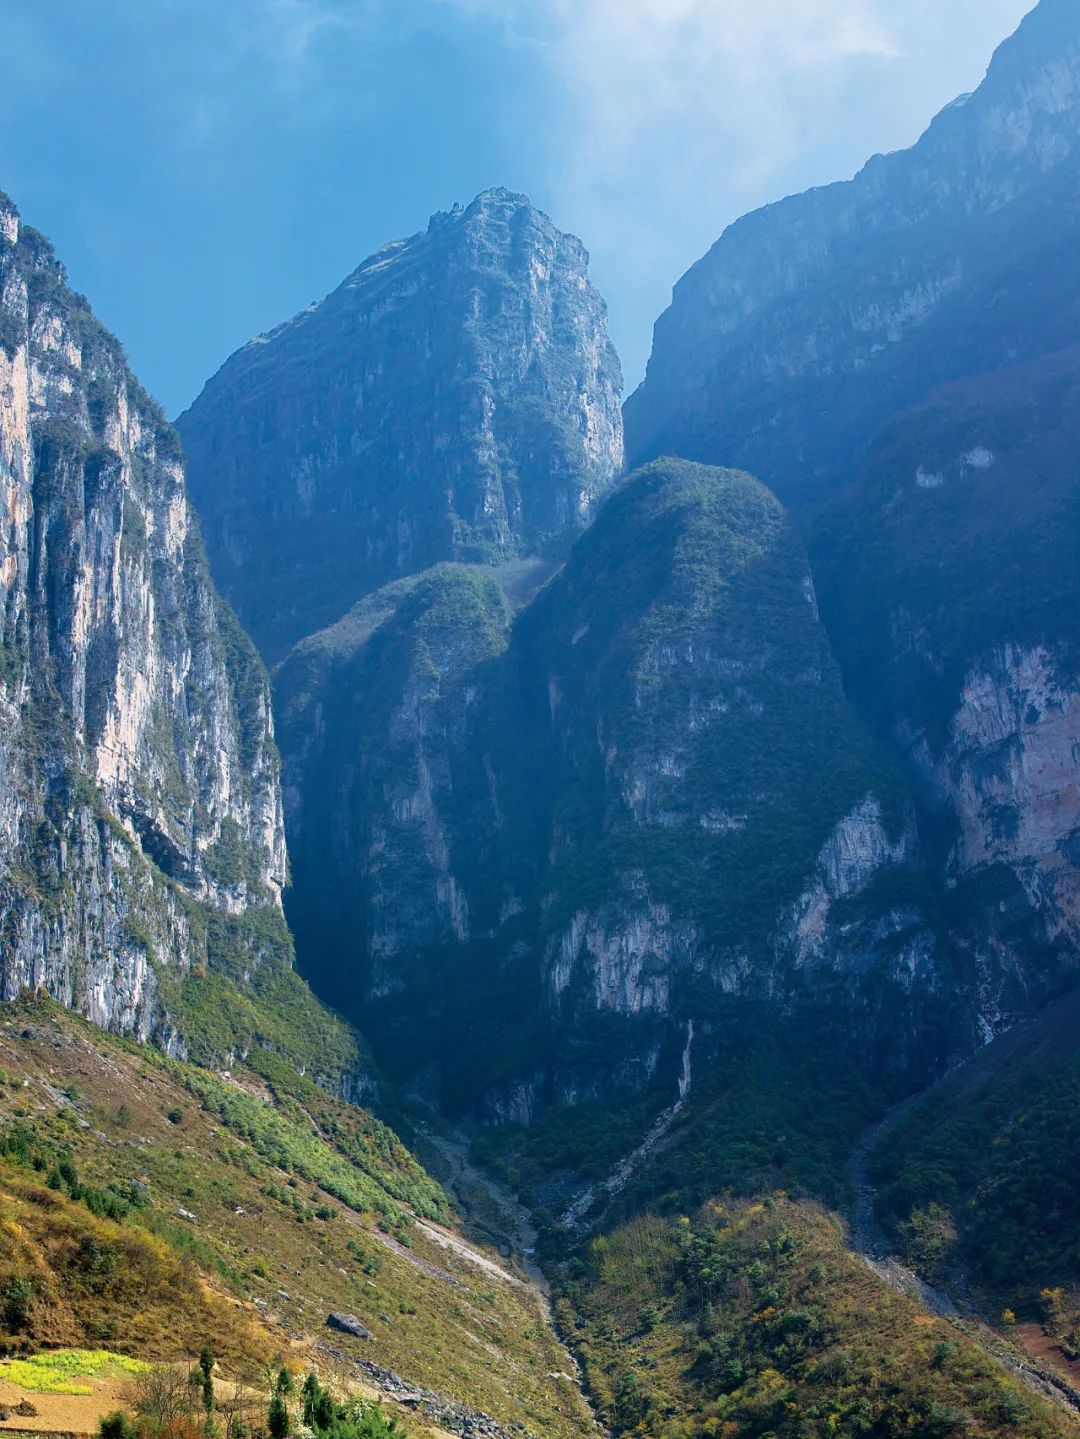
(836, 308)
(679, 859)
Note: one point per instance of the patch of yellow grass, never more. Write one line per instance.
(60, 1371)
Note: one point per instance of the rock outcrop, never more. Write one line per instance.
(395, 817)
(455, 399)
(897, 357)
(139, 785)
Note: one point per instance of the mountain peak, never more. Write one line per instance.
(456, 398)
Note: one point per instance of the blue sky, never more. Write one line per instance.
(207, 167)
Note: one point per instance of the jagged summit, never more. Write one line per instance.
(455, 398)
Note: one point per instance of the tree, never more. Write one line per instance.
(311, 1391)
(1052, 1303)
(163, 1400)
(117, 1425)
(238, 1409)
(206, 1381)
(277, 1418)
(929, 1237)
(15, 1303)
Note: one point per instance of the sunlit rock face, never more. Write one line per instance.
(813, 320)
(456, 399)
(138, 775)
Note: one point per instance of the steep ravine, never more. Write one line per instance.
(494, 1215)
(607, 1189)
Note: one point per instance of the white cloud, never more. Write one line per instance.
(632, 67)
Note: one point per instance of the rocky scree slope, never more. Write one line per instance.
(456, 398)
(561, 835)
(813, 320)
(140, 807)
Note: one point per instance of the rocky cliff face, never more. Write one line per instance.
(551, 843)
(393, 813)
(723, 825)
(139, 792)
(949, 582)
(457, 398)
(812, 321)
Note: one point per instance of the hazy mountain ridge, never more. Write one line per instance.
(644, 800)
(895, 356)
(666, 879)
(948, 582)
(844, 304)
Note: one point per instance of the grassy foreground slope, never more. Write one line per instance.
(153, 1206)
(753, 1319)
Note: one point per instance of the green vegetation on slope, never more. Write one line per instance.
(984, 1174)
(68, 1277)
(752, 1321)
(774, 1104)
(275, 1202)
(65, 1371)
(248, 1001)
(683, 634)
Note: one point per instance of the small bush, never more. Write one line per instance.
(15, 1301)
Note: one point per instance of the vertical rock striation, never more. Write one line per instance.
(456, 399)
(139, 787)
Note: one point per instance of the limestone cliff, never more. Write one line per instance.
(381, 719)
(455, 399)
(724, 826)
(896, 357)
(139, 793)
(948, 577)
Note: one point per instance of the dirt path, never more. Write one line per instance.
(870, 1242)
(446, 1239)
